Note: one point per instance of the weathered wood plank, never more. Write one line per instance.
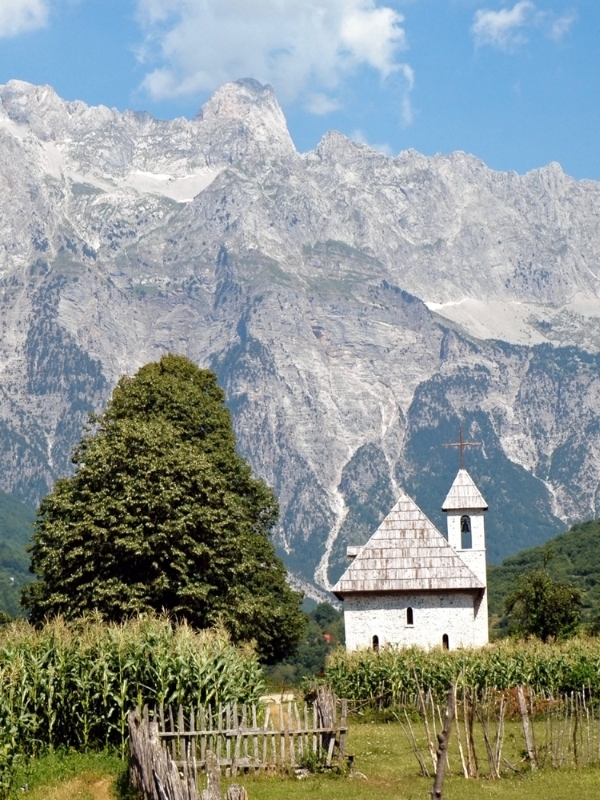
(172, 730)
(281, 734)
(246, 732)
(203, 737)
(291, 727)
(255, 737)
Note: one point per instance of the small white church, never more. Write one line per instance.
(408, 585)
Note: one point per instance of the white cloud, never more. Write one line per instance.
(302, 47)
(19, 16)
(358, 136)
(373, 35)
(508, 27)
(560, 26)
(504, 28)
(320, 104)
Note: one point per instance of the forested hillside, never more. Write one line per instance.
(572, 557)
(16, 520)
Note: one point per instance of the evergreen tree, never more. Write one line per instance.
(162, 513)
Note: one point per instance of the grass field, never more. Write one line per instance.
(381, 754)
(73, 776)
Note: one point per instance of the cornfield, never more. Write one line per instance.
(385, 677)
(72, 684)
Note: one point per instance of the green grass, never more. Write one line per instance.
(69, 775)
(381, 754)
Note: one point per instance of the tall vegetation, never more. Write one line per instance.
(162, 513)
(16, 527)
(384, 677)
(72, 684)
(324, 633)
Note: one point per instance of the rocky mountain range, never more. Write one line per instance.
(357, 308)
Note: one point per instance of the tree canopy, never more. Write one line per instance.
(163, 513)
(543, 607)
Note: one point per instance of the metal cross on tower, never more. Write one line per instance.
(462, 445)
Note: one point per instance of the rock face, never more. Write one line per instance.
(355, 307)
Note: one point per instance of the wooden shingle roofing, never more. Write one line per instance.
(406, 553)
(464, 495)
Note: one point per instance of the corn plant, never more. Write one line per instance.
(384, 677)
(72, 684)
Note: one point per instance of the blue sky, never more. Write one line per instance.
(515, 83)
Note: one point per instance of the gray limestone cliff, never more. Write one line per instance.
(355, 307)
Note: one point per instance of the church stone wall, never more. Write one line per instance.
(434, 614)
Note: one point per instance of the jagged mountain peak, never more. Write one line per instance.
(339, 150)
(243, 118)
(236, 98)
(38, 108)
(42, 111)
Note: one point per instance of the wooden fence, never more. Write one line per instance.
(170, 748)
(557, 731)
(248, 738)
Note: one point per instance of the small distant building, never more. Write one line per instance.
(408, 585)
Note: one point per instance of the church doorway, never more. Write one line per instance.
(445, 642)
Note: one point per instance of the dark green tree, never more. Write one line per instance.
(163, 514)
(324, 633)
(543, 607)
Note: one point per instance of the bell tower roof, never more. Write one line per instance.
(464, 494)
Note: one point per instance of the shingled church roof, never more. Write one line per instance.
(406, 553)
(464, 494)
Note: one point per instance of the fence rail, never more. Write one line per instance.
(170, 749)
(250, 738)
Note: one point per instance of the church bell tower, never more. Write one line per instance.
(465, 507)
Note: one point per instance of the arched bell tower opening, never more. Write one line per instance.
(466, 538)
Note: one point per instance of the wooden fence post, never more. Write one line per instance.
(529, 741)
(213, 778)
(443, 738)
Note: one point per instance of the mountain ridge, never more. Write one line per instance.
(355, 307)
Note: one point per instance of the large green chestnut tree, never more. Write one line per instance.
(162, 513)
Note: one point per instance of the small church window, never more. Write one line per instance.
(409, 616)
(445, 642)
(376, 643)
(466, 539)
